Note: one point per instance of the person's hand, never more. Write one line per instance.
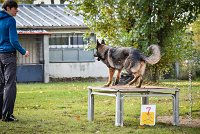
(27, 54)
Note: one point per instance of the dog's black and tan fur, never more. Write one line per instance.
(130, 59)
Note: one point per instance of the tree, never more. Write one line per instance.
(195, 27)
(140, 23)
(62, 1)
(25, 1)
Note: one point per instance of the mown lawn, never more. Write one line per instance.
(61, 107)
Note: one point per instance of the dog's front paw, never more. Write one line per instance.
(138, 86)
(106, 85)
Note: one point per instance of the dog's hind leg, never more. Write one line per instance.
(118, 77)
(140, 82)
(130, 77)
(142, 70)
(138, 73)
(136, 76)
(111, 73)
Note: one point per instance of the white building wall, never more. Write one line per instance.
(69, 70)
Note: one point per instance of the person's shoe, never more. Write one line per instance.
(9, 118)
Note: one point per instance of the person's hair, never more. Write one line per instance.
(10, 4)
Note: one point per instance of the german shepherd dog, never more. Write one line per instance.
(130, 59)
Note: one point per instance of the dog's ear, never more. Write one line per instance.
(103, 42)
(98, 43)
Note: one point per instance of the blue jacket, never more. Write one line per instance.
(8, 34)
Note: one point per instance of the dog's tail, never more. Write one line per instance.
(155, 57)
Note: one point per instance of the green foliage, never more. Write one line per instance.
(25, 1)
(195, 27)
(139, 23)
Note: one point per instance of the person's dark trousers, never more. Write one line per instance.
(8, 83)
(1, 105)
(1, 89)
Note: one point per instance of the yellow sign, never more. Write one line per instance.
(148, 115)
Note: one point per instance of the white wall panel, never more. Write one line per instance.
(67, 70)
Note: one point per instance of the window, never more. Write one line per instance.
(75, 40)
(69, 47)
(59, 41)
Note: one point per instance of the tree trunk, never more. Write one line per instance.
(155, 72)
(155, 75)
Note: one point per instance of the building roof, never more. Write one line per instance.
(47, 16)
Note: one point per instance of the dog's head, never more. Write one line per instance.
(99, 50)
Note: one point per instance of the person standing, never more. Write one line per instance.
(9, 44)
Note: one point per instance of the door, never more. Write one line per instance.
(31, 69)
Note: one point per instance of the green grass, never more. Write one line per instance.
(61, 107)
